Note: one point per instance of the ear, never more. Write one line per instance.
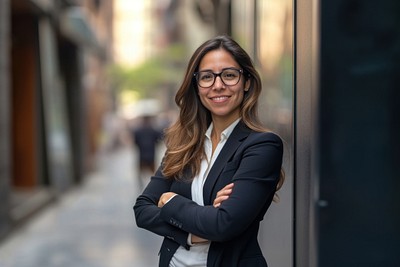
(247, 85)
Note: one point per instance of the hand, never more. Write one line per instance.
(223, 195)
(196, 239)
(165, 198)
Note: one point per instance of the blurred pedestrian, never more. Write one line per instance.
(145, 138)
(221, 169)
(113, 130)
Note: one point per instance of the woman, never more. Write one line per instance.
(221, 169)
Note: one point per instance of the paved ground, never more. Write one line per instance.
(90, 226)
(93, 226)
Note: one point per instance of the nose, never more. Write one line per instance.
(218, 82)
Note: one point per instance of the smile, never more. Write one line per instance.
(219, 98)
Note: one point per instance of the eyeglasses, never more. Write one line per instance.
(229, 76)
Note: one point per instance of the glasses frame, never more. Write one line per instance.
(215, 75)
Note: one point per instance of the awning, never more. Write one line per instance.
(76, 27)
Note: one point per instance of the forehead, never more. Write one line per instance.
(217, 60)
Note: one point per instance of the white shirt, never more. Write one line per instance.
(197, 255)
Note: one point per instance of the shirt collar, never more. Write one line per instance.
(225, 133)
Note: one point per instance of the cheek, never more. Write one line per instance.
(241, 96)
(240, 93)
(202, 98)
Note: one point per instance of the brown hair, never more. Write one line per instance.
(185, 138)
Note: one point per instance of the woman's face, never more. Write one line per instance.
(223, 101)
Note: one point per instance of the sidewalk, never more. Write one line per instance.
(90, 226)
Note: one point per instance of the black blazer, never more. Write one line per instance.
(251, 160)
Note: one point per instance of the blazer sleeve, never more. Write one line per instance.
(147, 213)
(255, 173)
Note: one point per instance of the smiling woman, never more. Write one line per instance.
(223, 96)
(221, 169)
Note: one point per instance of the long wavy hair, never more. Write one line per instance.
(185, 138)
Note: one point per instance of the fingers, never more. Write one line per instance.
(165, 197)
(227, 190)
(223, 195)
(228, 186)
(219, 200)
(160, 202)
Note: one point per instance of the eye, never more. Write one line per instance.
(230, 74)
(206, 76)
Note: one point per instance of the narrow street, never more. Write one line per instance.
(89, 226)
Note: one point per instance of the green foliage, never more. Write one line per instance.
(150, 76)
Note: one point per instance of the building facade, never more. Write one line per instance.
(54, 56)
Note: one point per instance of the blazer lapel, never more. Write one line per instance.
(235, 139)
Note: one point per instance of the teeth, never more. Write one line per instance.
(220, 98)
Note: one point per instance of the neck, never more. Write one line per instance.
(220, 124)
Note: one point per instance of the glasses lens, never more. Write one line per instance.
(205, 78)
(230, 76)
